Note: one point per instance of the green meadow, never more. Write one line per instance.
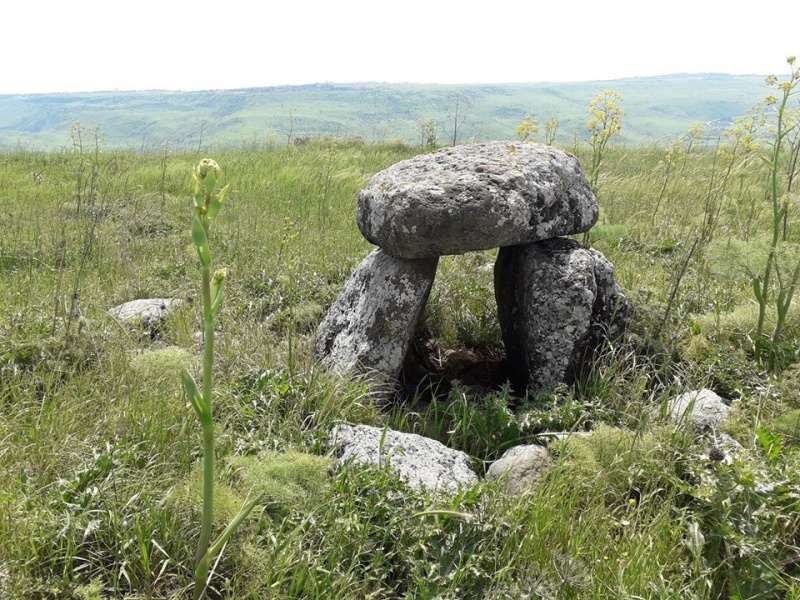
(100, 451)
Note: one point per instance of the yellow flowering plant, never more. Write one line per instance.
(767, 348)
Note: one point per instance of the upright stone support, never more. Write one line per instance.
(370, 326)
(556, 300)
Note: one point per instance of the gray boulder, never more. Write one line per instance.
(703, 408)
(421, 462)
(476, 197)
(149, 313)
(556, 302)
(521, 468)
(370, 326)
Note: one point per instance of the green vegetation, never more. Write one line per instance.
(101, 478)
(217, 119)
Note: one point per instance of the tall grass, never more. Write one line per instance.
(99, 466)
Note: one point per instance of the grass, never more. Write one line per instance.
(100, 474)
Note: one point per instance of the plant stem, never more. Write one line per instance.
(208, 424)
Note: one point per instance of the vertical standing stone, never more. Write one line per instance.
(552, 310)
(370, 326)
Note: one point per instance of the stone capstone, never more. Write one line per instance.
(556, 302)
(521, 468)
(476, 197)
(370, 326)
(422, 463)
(149, 313)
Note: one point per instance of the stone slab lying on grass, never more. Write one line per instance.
(703, 408)
(476, 197)
(370, 326)
(419, 461)
(520, 468)
(149, 313)
(556, 302)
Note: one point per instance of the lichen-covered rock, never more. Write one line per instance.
(149, 313)
(556, 302)
(370, 326)
(703, 408)
(520, 468)
(476, 197)
(419, 461)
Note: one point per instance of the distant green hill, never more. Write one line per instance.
(656, 107)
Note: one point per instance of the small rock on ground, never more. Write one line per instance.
(520, 468)
(704, 408)
(422, 463)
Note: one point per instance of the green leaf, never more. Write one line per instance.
(201, 242)
(223, 192)
(213, 207)
(210, 182)
(216, 202)
(231, 528)
(217, 287)
(199, 199)
(204, 564)
(195, 397)
(769, 163)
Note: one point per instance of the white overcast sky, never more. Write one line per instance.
(87, 45)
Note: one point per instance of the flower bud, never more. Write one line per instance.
(205, 167)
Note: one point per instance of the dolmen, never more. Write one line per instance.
(557, 300)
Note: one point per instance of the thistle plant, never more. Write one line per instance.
(766, 347)
(207, 202)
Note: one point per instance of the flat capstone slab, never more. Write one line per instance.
(476, 197)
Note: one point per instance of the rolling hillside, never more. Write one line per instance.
(656, 107)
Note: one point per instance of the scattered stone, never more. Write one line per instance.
(521, 468)
(421, 462)
(149, 313)
(556, 302)
(703, 408)
(370, 326)
(476, 197)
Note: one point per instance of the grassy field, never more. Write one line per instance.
(99, 450)
(657, 107)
